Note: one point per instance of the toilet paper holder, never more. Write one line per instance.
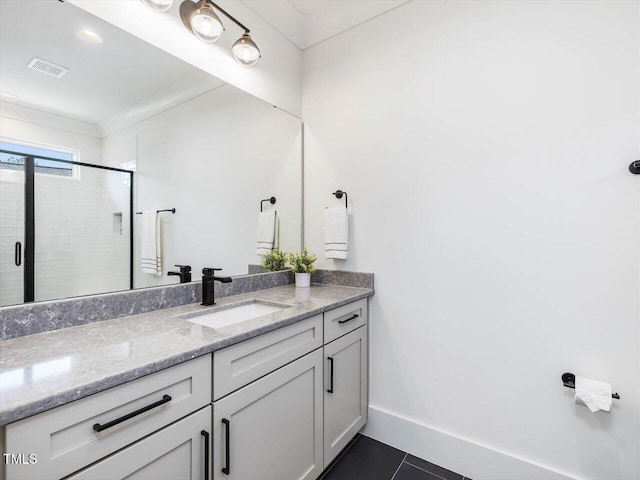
(569, 381)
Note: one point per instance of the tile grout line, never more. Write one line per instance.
(431, 473)
(400, 465)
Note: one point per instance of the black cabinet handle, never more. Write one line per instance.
(227, 468)
(330, 389)
(18, 259)
(99, 428)
(205, 434)
(348, 319)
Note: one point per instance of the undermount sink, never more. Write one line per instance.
(226, 315)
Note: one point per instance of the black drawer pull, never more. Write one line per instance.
(18, 255)
(227, 468)
(205, 434)
(330, 389)
(352, 317)
(99, 428)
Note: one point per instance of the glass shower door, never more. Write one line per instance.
(82, 230)
(65, 226)
(12, 228)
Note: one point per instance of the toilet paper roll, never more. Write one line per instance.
(594, 394)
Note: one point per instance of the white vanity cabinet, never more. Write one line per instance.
(288, 417)
(278, 406)
(346, 377)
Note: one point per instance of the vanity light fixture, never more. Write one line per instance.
(159, 5)
(201, 19)
(245, 51)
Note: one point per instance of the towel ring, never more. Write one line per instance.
(271, 200)
(339, 193)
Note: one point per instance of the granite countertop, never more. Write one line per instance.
(46, 370)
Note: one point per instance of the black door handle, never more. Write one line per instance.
(330, 389)
(99, 428)
(348, 319)
(18, 256)
(205, 434)
(227, 454)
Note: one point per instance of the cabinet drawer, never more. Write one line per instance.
(65, 440)
(344, 319)
(241, 364)
(180, 451)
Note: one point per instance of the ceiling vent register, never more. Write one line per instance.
(49, 68)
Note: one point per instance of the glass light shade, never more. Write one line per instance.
(159, 5)
(245, 51)
(206, 25)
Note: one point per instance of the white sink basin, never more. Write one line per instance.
(225, 316)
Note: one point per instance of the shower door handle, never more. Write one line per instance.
(18, 254)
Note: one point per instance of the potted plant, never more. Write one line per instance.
(302, 265)
(275, 260)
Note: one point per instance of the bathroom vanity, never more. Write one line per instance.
(159, 395)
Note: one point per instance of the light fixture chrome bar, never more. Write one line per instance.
(201, 19)
(228, 15)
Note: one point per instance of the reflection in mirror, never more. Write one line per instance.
(97, 125)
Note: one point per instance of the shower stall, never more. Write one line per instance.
(66, 227)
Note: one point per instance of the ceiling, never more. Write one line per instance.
(308, 22)
(106, 86)
(105, 81)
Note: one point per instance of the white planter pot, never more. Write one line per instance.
(303, 279)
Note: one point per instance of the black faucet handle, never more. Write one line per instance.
(210, 271)
(184, 268)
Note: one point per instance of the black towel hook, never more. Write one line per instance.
(635, 167)
(339, 193)
(271, 200)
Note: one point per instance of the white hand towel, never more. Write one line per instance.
(594, 394)
(336, 233)
(266, 232)
(150, 247)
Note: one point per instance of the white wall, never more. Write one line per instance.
(213, 158)
(276, 79)
(484, 147)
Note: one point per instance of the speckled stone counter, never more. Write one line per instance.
(46, 370)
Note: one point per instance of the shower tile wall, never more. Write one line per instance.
(79, 248)
(11, 227)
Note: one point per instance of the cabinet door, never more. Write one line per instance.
(178, 452)
(345, 393)
(272, 428)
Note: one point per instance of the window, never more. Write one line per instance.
(16, 159)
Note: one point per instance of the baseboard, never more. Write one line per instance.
(465, 457)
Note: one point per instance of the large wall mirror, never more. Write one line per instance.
(95, 126)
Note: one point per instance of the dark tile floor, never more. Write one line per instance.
(367, 459)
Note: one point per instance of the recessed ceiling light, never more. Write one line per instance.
(89, 36)
(6, 95)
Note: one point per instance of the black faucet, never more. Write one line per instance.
(208, 280)
(184, 273)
